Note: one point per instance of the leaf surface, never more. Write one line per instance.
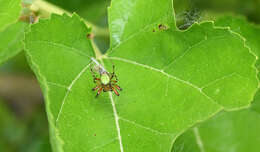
(11, 32)
(248, 30)
(93, 11)
(171, 79)
(11, 40)
(9, 12)
(229, 131)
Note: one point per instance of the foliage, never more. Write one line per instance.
(182, 89)
(177, 78)
(239, 129)
(9, 12)
(17, 136)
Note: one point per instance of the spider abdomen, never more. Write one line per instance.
(107, 88)
(105, 79)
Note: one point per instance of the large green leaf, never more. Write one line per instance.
(9, 12)
(230, 131)
(171, 79)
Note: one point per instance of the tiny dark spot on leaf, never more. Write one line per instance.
(95, 135)
(90, 36)
(162, 27)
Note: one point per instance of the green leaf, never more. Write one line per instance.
(94, 11)
(251, 33)
(28, 135)
(228, 131)
(240, 25)
(11, 40)
(10, 130)
(9, 12)
(18, 65)
(256, 103)
(171, 79)
(66, 53)
(11, 32)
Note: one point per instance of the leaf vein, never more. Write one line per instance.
(219, 79)
(69, 89)
(103, 145)
(164, 73)
(57, 84)
(144, 127)
(198, 139)
(185, 52)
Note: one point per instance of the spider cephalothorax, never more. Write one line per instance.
(106, 82)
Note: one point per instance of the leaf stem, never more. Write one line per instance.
(98, 53)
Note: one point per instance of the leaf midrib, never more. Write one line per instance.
(198, 139)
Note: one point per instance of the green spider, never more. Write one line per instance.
(106, 82)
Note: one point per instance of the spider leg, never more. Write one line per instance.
(113, 74)
(94, 89)
(116, 77)
(95, 79)
(118, 88)
(99, 91)
(113, 68)
(114, 81)
(115, 91)
(93, 75)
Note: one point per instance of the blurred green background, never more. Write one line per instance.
(23, 122)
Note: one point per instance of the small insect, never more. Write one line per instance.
(106, 82)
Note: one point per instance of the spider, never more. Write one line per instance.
(106, 82)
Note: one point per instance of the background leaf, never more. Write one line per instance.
(11, 32)
(228, 131)
(11, 40)
(92, 11)
(171, 79)
(18, 136)
(9, 12)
